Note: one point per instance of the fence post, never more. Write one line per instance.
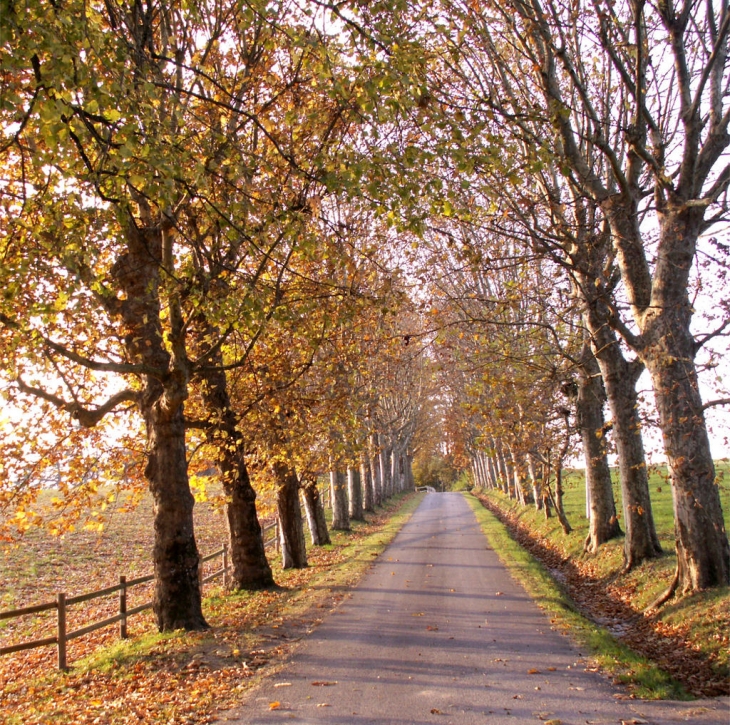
(277, 540)
(61, 605)
(225, 566)
(123, 607)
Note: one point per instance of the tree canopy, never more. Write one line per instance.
(282, 239)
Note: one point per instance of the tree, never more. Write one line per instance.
(136, 162)
(662, 131)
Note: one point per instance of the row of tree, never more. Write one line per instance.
(180, 281)
(580, 154)
(283, 238)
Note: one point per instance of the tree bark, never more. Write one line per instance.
(619, 377)
(354, 494)
(535, 479)
(477, 471)
(366, 478)
(490, 471)
(516, 477)
(508, 475)
(385, 478)
(558, 502)
(375, 467)
(603, 523)
(314, 507)
(703, 553)
(338, 495)
(289, 512)
(177, 597)
(250, 569)
(410, 483)
(395, 472)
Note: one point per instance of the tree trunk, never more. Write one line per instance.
(366, 479)
(619, 377)
(558, 502)
(338, 495)
(354, 494)
(477, 471)
(177, 598)
(516, 482)
(545, 490)
(375, 467)
(314, 507)
(536, 482)
(603, 522)
(395, 477)
(493, 472)
(490, 476)
(250, 569)
(663, 312)
(289, 512)
(509, 477)
(385, 469)
(409, 479)
(703, 554)
(481, 477)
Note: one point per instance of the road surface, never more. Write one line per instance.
(439, 633)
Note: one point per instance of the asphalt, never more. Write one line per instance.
(439, 633)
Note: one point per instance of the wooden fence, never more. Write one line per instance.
(62, 602)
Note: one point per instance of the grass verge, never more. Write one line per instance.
(644, 679)
(689, 637)
(182, 678)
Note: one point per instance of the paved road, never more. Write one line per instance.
(439, 633)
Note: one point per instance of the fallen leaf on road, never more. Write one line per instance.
(533, 671)
(417, 614)
(323, 683)
(432, 629)
(274, 705)
(282, 684)
(323, 704)
(498, 594)
(435, 711)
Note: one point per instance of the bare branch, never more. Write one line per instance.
(87, 417)
(715, 403)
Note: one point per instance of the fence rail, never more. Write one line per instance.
(62, 602)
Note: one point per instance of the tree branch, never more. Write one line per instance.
(87, 417)
(713, 403)
(105, 367)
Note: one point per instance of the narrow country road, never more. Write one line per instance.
(439, 633)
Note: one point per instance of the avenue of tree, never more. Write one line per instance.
(294, 241)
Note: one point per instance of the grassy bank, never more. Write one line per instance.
(645, 679)
(179, 677)
(699, 624)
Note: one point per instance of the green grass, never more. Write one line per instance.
(643, 677)
(702, 620)
(661, 501)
